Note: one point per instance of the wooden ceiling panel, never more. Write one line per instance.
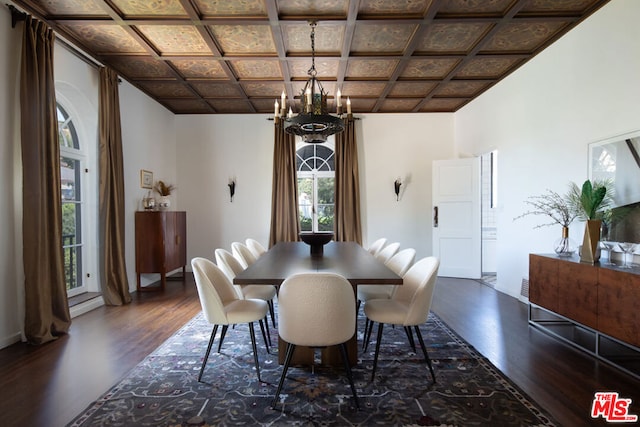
(200, 68)
(312, 8)
(393, 8)
(411, 89)
(209, 57)
(325, 68)
(455, 38)
(329, 38)
(381, 38)
(175, 39)
(245, 8)
(477, 7)
(522, 37)
(231, 106)
(104, 38)
(244, 39)
(167, 89)
(132, 8)
(487, 67)
(259, 69)
(217, 90)
(263, 89)
(92, 8)
(371, 68)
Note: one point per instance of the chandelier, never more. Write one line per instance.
(314, 123)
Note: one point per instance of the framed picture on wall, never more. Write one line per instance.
(146, 179)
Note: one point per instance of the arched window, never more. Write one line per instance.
(315, 165)
(71, 166)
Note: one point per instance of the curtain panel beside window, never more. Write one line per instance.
(348, 226)
(46, 306)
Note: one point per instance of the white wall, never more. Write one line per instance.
(214, 148)
(583, 88)
(149, 143)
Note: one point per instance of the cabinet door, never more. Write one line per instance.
(149, 242)
(618, 296)
(174, 244)
(543, 281)
(578, 292)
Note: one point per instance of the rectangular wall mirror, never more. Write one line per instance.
(617, 159)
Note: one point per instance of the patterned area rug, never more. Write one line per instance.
(163, 389)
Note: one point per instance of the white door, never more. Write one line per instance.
(456, 218)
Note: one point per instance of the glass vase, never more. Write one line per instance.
(564, 246)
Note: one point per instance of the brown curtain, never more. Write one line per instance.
(46, 306)
(285, 226)
(115, 285)
(348, 226)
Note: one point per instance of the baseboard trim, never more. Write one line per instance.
(86, 306)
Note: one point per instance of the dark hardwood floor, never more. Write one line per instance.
(50, 384)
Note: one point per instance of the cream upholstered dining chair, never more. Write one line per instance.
(316, 310)
(377, 246)
(231, 266)
(399, 264)
(408, 306)
(387, 252)
(221, 305)
(243, 254)
(255, 247)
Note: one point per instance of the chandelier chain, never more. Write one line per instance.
(312, 71)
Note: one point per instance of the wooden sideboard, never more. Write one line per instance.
(161, 244)
(592, 307)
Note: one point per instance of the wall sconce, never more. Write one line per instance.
(232, 187)
(396, 186)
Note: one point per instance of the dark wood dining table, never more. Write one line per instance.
(348, 259)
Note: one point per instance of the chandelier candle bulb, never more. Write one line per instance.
(348, 105)
(290, 114)
(283, 104)
(276, 111)
(338, 98)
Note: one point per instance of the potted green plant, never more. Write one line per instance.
(164, 190)
(591, 202)
(560, 211)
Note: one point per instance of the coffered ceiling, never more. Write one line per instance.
(237, 56)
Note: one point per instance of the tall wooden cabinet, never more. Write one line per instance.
(161, 243)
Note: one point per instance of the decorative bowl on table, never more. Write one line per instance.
(316, 241)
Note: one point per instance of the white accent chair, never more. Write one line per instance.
(231, 266)
(243, 254)
(387, 252)
(399, 264)
(255, 247)
(221, 305)
(409, 306)
(316, 310)
(377, 246)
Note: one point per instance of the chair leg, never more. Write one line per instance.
(264, 336)
(345, 359)
(424, 350)
(266, 324)
(255, 349)
(358, 306)
(272, 312)
(364, 334)
(285, 368)
(366, 344)
(375, 357)
(206, 355)
(222, 334)
(412, 343)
